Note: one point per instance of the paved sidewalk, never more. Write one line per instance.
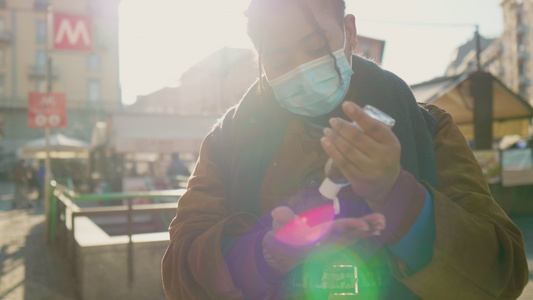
(28, 268)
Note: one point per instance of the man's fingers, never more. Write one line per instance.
(372, 127)
(352, 153)
(281, 216)
(343, 225)
(353, 133)
(376, 221)
(283, 213)
(345, 165)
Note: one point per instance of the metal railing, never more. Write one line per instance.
(63, 212)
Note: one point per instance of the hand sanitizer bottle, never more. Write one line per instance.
(335, 180)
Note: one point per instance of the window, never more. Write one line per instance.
(2, 24)
(93, 62)
(40, 4)
(2, 86)
(521, 40)
(93, 6)
(41, 32)
(523, 90)
(97, 37)
(2, 57)
(41, 59)
(521, 68)
(519, 14)
(93, 90)
(40, 86)
(366, 50)
(2, 4)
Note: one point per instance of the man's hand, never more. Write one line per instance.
(368, 158)
(292, 239)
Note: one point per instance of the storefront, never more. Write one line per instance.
(485, 109)
(132, 152)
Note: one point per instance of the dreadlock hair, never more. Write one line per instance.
(260, 11)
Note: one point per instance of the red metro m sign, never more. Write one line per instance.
(72, 32)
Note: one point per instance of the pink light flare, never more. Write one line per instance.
(308, 228)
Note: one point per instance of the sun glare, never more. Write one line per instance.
(162, 39)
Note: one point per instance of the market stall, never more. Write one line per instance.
(132, 152)
(486, 110)
(69, 159)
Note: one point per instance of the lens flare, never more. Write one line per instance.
(308, 228)
(338, 272)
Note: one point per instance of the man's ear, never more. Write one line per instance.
(351, 30)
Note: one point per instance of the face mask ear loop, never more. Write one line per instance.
(345, 38)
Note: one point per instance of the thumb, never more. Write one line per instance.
(281, 216)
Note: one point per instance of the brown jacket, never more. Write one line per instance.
(478, 251)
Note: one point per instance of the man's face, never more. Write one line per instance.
(290, 39)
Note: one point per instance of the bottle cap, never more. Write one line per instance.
(379, 115)
(329, 189)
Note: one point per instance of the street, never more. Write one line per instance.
(29, 269)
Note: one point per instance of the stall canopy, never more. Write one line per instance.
(148, 133)
(511, 113)
(61, 146)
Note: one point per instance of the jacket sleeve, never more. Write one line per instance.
(478, 252)
(193, 266)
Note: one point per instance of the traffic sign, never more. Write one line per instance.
(47, 110)
(72, 32)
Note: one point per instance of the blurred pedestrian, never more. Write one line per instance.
(33, 180)
(175, 170)
(41, 174)
(21, 180)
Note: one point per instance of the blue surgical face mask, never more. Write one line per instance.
(313, 89)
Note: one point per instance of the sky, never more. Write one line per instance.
(161, 39)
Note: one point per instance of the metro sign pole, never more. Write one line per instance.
(48, 170)
(65, 32)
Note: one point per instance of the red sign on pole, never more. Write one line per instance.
(72, 32)
(47, 110)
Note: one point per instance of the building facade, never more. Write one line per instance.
(89, 79)
(220, 80)
(163, 101)
(208, 88)
(507, 57)
(217, 82)
(370, 48)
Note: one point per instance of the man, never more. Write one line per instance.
(417, 220)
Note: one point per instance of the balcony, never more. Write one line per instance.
(40, 72)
